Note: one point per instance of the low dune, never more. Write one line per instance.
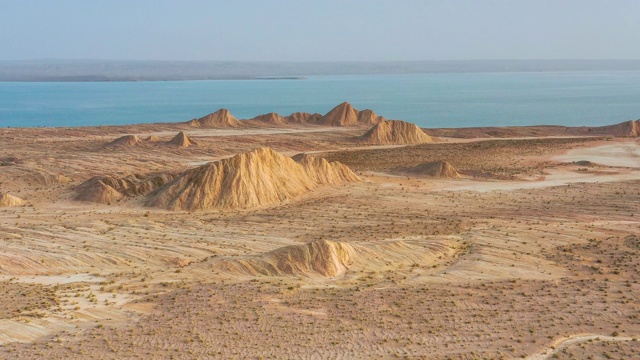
(330, 259)
(438, 168)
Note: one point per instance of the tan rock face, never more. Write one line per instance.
(219, 119)
(395, 132)
(7, 200)
(258, 178)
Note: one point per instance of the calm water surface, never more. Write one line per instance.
(430, 100)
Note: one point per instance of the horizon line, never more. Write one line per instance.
(318, 61)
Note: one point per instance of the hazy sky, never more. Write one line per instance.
(319, 30)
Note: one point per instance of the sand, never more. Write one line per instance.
(533, 252)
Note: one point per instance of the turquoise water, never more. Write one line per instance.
(430, 100)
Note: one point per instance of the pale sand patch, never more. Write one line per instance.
(624, 154)
(53, 279)
(555, 177)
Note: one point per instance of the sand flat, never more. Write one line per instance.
(523, 251)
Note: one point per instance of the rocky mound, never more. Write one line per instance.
(108, 189)
(324, 258)
(7, 200)
(302, 118)
(626, 129)
(182, 140)
(368, 117)
(219, 119)
(152, 139)
(100, 193)
(270, 118)
(345, 115)
(51, 179)
(436, 169)
(323, 172)
(395, 132)
(341, 115)
(258, 178)
(125, 141)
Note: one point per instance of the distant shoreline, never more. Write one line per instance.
(133, 71)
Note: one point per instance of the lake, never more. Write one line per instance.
(429, 100)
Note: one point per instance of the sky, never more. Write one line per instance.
(319, 30)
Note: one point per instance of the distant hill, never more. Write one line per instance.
(103, 70)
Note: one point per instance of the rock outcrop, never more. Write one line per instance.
(126, 141)
(625, 129)
(219, 119)
(318, 258)
(109, 189)
(302, 118)
(100, 193)
(258, 178)
(395, 132)
(341, 115)
(7, 200)
(270, 118)
(345, 115)
(331, 259)
(436, 169)
(368, 117)
(323, 172)
(182, 140)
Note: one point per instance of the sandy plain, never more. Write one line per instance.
(528, 254)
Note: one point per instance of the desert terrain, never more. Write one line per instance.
(343, 235)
